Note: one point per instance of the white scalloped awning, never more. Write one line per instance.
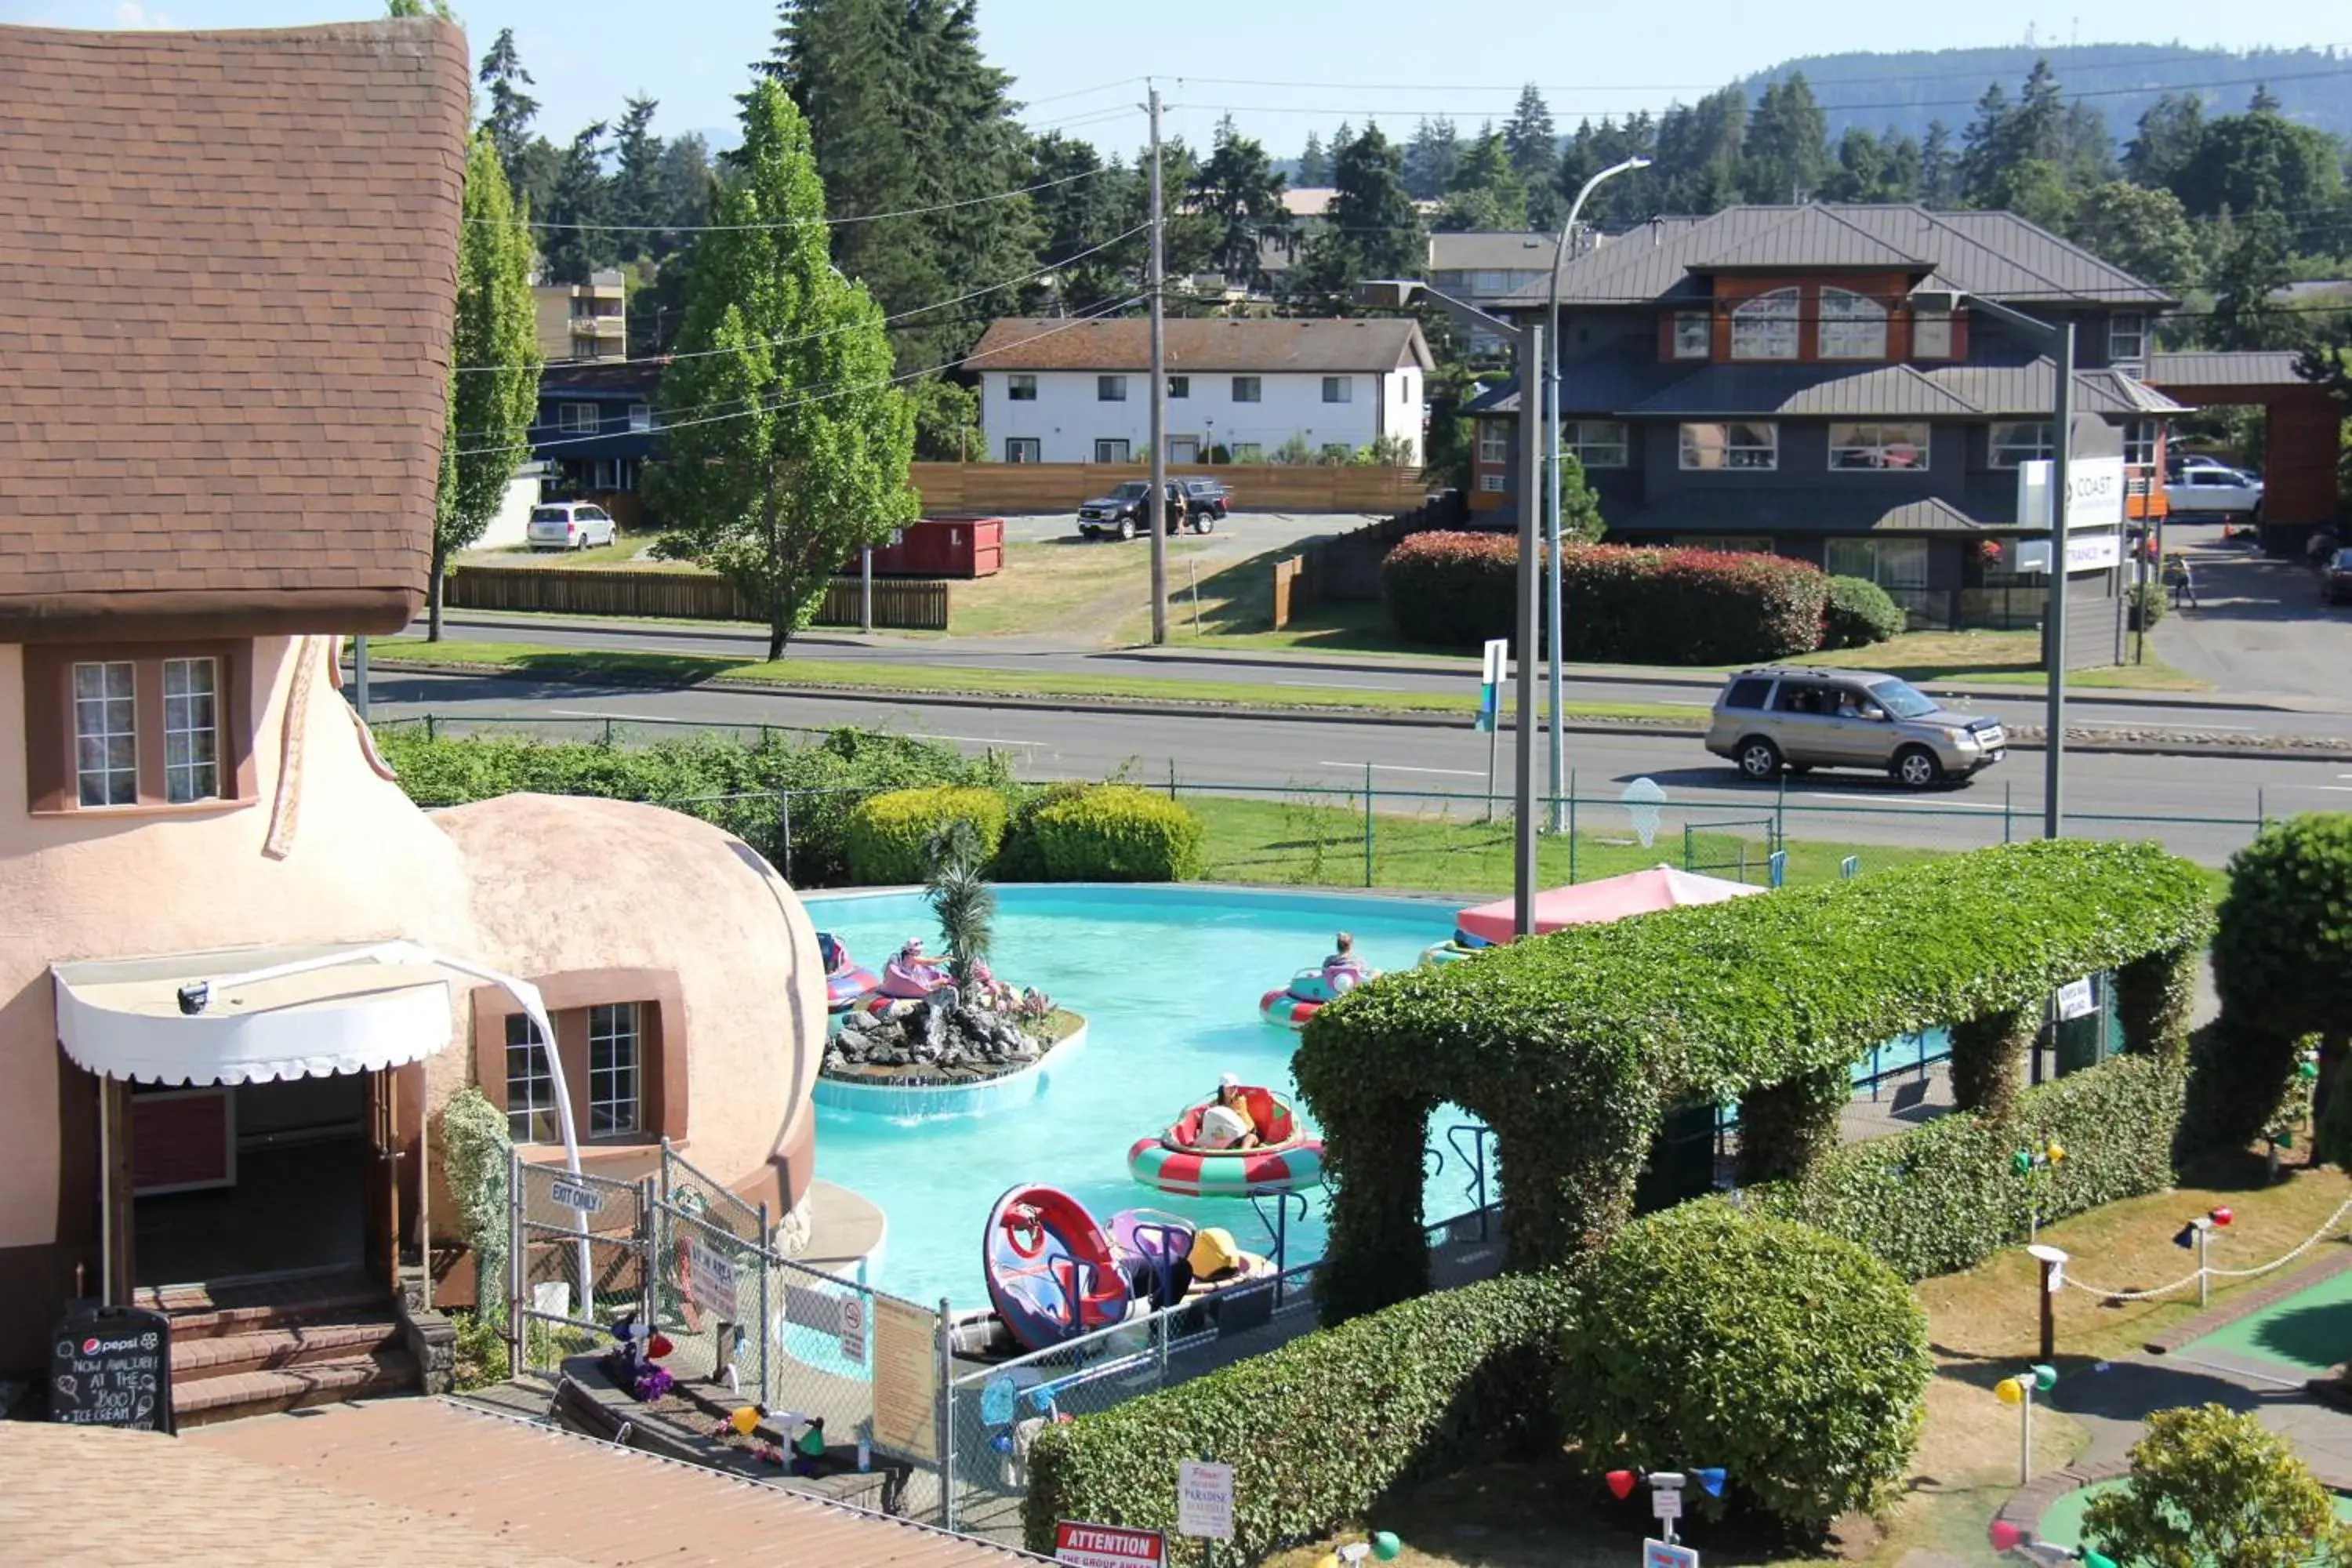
(122, 1018)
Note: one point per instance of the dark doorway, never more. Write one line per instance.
(257, 1179)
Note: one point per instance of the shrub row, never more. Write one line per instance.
(1859, 613)
(1791, 1357)
(1117, 832)
(1946, 1197)
(890, 835)
(1645, 605)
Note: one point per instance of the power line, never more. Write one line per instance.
(807, 222)
(1081, 92)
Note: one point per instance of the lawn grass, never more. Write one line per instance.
(1425, 846)
(1998, 659)
(915, 681)
(622, 553)
(1075, 587)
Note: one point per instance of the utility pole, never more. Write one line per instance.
(1158, 510)
(2062, 454)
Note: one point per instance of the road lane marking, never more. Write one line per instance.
(1862, 800)
(1402, 768)
(1333, 685)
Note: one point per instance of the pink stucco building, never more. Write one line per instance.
(226, 295)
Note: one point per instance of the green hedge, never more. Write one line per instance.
(1572, 1045)
(1644, 606)
(1117, 832)
(1319, 1431)
(889, 834)
(1945, 1197)
(2283, 946)
(1795, 1361)
(1858, 612)
(1020, 857)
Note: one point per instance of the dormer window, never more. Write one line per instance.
(1852, 326)
(1765, 327)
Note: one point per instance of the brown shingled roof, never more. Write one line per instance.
(1204, 347)
(226, 278)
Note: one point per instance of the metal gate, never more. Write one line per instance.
(577, 1248)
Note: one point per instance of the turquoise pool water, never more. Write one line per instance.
(1168, 981)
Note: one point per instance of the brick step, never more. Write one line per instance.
(216, 1310)
(243, 1393)
(279, 1347)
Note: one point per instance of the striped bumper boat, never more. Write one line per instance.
(1286, 1160)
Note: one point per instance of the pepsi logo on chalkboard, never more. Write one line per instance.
(111, 1366)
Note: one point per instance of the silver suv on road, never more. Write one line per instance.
(1803, 718)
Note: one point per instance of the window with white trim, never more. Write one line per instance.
(1020, 388)
(1108, 449)
(1889, 562)
(1852, 326)
(2015, 441)
(615, 1076)
(1595, 443)
(1765, 327)
(1740, 444)
(191, 730)
(1693, 335)
(1338, 389)
(530, 1084)
(2127, 338)
(1491, 483)
(106, 733)
(1022, 448)
(1247, 389)
(1179, 386)
(579, 418)
(1899, 446)
(1110, 389)
(1931, 335)
(641, 417)
(1493, 441)
(2141, 439)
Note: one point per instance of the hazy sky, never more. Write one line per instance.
(1398, 59)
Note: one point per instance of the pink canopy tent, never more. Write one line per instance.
(1610, 899)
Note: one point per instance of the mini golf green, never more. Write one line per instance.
(2062, 1524)
(2306, 1334)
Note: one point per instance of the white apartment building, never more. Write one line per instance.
(1067, 391)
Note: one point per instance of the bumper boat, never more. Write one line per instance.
(846, 984)
(1309, 990)
(1052, 1273)
(1284, 1160)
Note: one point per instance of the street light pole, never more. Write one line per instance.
(1552, 524)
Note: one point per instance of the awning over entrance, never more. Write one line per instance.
(125, 1018)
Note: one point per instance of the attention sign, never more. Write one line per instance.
(1108, 1546)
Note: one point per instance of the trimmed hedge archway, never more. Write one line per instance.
(1573, 1046)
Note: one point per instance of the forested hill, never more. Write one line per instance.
(1906, 90)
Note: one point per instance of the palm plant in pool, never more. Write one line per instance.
(959, 894)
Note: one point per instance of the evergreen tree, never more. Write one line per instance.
(1939, 175)
(2036, 127)
(2170, 132)
(1314, 164)
(1485, 193)
(2034, 190)
(1984, 145)
(637, 195)
(1698, 152)
(1786, 154)
(785, 447)
(1906, 175)
(2145, 231)
(494, 360)
(1623, 201)
(1429, 159)
(2264, 101)
(508, 124)
(1239, 193)
(1081, 216)
(1528, 137)
(685, 190)
(578, 211)
(1581, 521)
(2090, 151)
(2250, 265)
(1861, 172)
(1374, 230)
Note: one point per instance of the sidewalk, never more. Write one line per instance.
(2258, 624)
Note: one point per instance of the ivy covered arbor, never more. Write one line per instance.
(1573, 1047)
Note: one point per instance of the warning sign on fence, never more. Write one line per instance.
(905, 1381)
(709, 1274)
(1106, 1546)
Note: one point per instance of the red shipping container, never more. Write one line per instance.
(944, 547)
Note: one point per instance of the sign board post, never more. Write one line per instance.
(1204, 1503)
(111, 1366)
(1490, 709)
(905, 1381)
(2076, 999)
(1108, 1546)
(1667, 1554)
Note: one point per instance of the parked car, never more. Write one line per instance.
(2335, 580)
(1120, 514)
(1766, 719)
(569, 525)
(2196, 489)
(1206, 501)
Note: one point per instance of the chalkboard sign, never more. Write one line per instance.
(111, 1366)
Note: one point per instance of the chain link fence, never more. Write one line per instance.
(578, 1252)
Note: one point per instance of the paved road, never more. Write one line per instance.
(2205, 808)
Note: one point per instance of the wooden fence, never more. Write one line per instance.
(992, 488)
(899, 603)
(1349, 567)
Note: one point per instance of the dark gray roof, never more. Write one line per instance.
(1996, 254)
(2023, 390)
(1797, 512)
(1489, 251)
(1631, 386)
(1607, 383)
(2186, 372)
(1501, 398)
(1837, 391)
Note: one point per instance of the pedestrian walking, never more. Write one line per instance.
(2181, 580)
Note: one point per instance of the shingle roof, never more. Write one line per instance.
(1203, 347)
(227, 280)
(2187, 372)
(1796, 511)
(1996, 254)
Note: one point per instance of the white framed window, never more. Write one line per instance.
(579, 418)
(191, 730)
(1022, 450)
(1596, 443)
(641, 417)
(1179, 386)
(2127, 338)
(1248, 452)
(2015, 441)
(1901, 447)
(615, 1081)
(1247, 389)
(1931, 335)
(1852, 326)
(106, 733)
(1493, 441)
(1338, 389)
(1110, 389)
(1693, 335)
(1020, 388)
(530, 1084)
(1889, 562)
(1765, 327)
(1109, 450)
(1491, 483)
(613, 475)
(2141, 443)
(1739, 444)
